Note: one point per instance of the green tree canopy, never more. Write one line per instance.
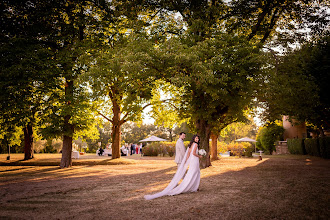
(268, 135)
(298, 85)
(238, 130)
(28, 70)
(166, 112)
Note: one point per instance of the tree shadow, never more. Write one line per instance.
(230, 189)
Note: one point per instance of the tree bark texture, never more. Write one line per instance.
(116, 139)
(68, 129)
(204, 131)
(116, 125)
(66, 160)
(214, 147)
(28, 142)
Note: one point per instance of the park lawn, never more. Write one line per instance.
(278, 187)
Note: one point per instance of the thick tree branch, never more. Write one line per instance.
(124, 119)
(273, 21)
(105, 116)
(152, 17)
(261, 17)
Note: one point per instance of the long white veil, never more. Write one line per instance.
(176, 179)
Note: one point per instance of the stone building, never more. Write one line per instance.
(293, 129)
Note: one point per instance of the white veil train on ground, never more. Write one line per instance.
(176, 179)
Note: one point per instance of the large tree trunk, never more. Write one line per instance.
(116, 139)
(68, 129)
(66, 160)
(28, 142)
(116, 125)
(204, 131)
(214, 148)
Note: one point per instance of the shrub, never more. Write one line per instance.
(248, 149)
(39, 145)
(170, 150)
(49, 149)
(156, 148)
(168, 143)
(236, 149)
(186, 143)
(296, 146)
(151, 150)
(324, 144)
(268, 136)
(222, 147)
(163, 148)
(312, 146)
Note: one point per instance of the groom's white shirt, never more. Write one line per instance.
(180, 150)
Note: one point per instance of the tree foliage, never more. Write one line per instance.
(28, 71)
(218, 77)
(133, 132)
(268, 135)
(45, 45)
(298, 85)
(237, 130)
(210, 50)
(217, 60)
(119, 75)
(279, 22)
(166, 112)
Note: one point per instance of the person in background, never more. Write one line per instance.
(122, 151)
(101, 151)
(141, 149)
(180, 149)
(127, 149)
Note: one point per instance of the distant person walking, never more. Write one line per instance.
(133, 152)
(141, 149)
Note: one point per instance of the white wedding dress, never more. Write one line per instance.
(191, 180)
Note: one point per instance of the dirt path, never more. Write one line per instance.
(274, 188)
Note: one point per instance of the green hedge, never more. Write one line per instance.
(151, 150)
(324, 144)
(312, 146)
(296, 146)
(248, 152)
(156, 148)
(319, 147)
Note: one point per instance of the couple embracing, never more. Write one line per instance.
(184, 158)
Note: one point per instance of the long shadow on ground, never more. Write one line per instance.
(230, 189)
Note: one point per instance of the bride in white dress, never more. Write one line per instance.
(190, 182)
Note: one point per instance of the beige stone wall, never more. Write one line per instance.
(281, 148)
(294, 130)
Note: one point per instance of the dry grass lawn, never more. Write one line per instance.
(278, 187)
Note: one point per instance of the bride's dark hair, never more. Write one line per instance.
(193, 140)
